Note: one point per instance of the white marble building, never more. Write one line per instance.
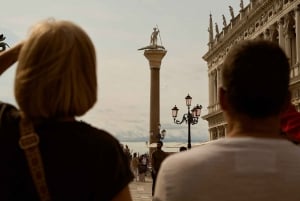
(276, 20)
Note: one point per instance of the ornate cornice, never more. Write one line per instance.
(238, 28)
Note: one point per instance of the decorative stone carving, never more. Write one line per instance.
(264, 18)
(217, 29)
(242, 5)
(288, 28)
(273, 33)
(231, 12)
(278, 5)
(224, 21)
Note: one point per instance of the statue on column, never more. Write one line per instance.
(153, 40)
(242, 5)
(224, 21)
(3, 45)
(217, 29)
(231, 12)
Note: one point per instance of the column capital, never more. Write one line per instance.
(154, 57)
(297, 9)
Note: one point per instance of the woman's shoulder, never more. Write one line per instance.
(78, 132)
(96, 133)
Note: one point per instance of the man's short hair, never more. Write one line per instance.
(255, 77)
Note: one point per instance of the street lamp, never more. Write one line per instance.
(191, 117)
(3, 44)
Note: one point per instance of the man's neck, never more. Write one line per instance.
(249, 127)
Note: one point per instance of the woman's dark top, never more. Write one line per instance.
(80, 162)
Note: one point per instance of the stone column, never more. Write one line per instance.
(209, 89)
(154, 57)
(289, 34)
(297, 14)
(288, 47)
(218, 132)
(219, 82)
(280, 34)
(267, 34)
(212, 78)
(273, 31)
(215, 86)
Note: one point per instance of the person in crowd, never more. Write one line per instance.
(135, 165)
(142, 168)
(45, 152)
(157, 158)
(255, 161)
(127, 152)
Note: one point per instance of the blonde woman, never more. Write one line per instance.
(56, 82)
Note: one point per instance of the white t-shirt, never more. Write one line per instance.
(233, 169)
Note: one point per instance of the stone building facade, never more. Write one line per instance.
(275, 20)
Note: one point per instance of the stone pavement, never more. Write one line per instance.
(141, 191)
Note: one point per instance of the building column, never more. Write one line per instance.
(280, 33)
(210, 135)
(267, 34)
(215, 86)
(273, 31)
(219, 83)
(209, 89)
(154, 57)
(288, 35)
(219, 130)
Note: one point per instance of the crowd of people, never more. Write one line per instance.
(46, 154)
(140, 164)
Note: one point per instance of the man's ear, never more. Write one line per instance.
(287, 102)
(223, 99)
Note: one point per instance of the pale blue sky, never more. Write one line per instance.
(118, 29)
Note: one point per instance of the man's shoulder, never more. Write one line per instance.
(159, 152)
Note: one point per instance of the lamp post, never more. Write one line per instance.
(191, 117)
(3, 44)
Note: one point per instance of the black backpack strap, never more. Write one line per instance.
(7, 113)
(3, 106)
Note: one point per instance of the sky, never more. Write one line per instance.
(118, 28)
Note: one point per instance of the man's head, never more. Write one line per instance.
(159, 144)
(255, 79)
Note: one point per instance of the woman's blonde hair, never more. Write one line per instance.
(56, 73)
